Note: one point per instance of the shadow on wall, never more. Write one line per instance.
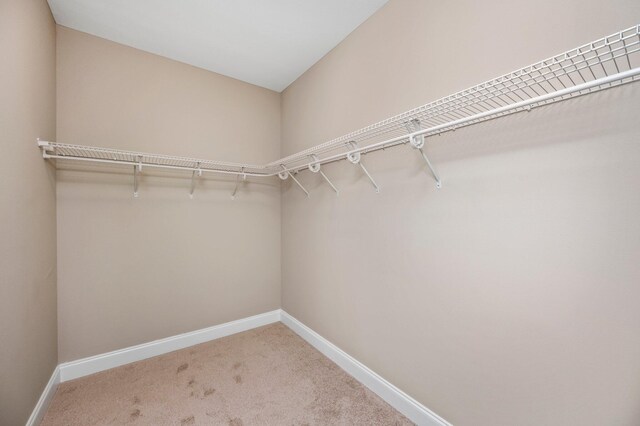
(536, 128)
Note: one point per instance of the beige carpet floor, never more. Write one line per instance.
(265, 376)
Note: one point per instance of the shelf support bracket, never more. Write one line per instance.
(433, 171)
(136, 171)
(197, 171)
(46, 148)
(356, 158)
(417, 142)
(314, 167)
(284, 174)
(235, 190)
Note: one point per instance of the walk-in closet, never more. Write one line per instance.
(337, 212)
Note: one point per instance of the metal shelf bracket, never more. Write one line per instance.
(314, 167)
(197, 171)
(417, 142)
(284, 174)
(235, 190)
(45, 147)
(136, 171)
(433, 171)
(356, 158)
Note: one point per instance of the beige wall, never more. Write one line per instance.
(133, 270)
(510, 296)
(28, 348)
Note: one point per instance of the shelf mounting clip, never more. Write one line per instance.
(356, 158)
(417, 142)
(136, 171)
(284, 174)
(314, 167)
(196, 171)
(244, 178)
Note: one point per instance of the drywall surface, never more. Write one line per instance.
(510, 296)
(132, 270)
(28, 342)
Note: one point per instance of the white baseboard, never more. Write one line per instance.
(399, 400)
(47, 394)
(402, 402)
(83, 367)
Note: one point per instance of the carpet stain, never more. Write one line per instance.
(237, 365)
(69, 390)
(182, 367)
(191, 420)
(136, 400)
(236, 422)
(209, 391)
(352, 383)
(191, 382)
(238, 378)
(135, 414)
(330, 413)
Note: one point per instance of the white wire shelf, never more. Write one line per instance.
(608, 62)
(554, 79)
(117, 156)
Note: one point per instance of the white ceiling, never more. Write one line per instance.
(269, 43)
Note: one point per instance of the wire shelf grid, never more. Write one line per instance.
(116, 156)
(604, 57)
(595, 66)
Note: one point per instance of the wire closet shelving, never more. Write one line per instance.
(608, 62)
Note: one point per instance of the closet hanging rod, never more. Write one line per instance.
(595, 66)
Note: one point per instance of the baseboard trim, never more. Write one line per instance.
(402, 402)
(399, 400)
(43, 403)
(83, 367)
